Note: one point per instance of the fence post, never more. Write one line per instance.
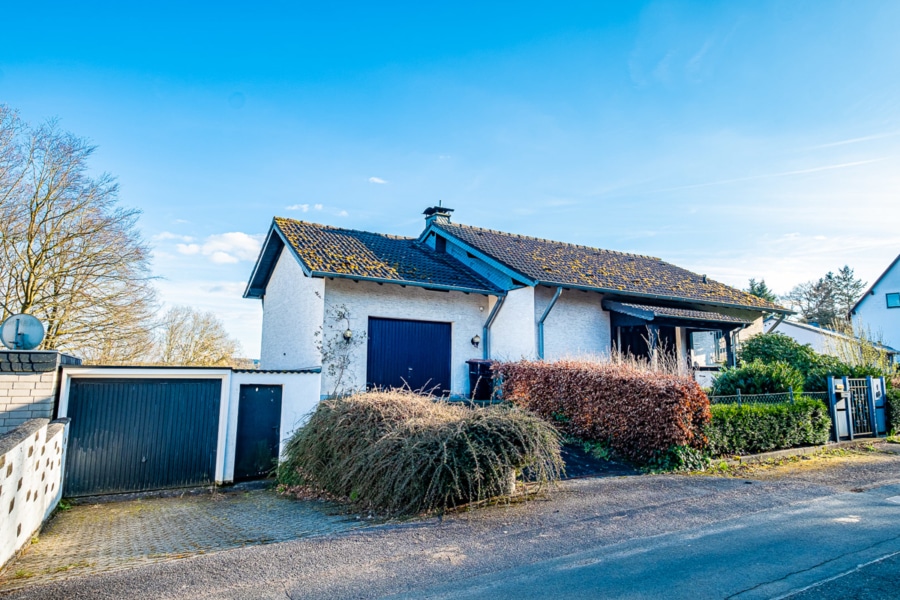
(791, 392)
(870, 398)
(849, 397)
(832, 409)
(739, 396)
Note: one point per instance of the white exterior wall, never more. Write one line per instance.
(466, 312)
(881, 323)
(577, 326)
(513, 331)
(299, 397)
(32, 459)
(802, 335)
(293, 311)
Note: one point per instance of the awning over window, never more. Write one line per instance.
(666, 315)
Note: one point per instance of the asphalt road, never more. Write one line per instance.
(803, 536)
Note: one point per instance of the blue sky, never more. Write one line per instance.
(737, 139)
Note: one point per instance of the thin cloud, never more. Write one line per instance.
(773, 175)
(857, 140)
(318, 206)
(168, 235)
(343, 213)
(378, 180)
(301, 207)
(225, 248)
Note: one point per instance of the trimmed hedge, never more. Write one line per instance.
(758, 377)
(893, 410)
(638, 413)
(401, 453)
(752, 428)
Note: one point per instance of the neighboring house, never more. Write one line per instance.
(426, 305)
(878, 311)
(823, 341)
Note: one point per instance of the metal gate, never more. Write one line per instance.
(857, 407)
(409, 354)
(130, 435)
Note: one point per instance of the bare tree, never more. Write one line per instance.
(69, 254)
(193, 338)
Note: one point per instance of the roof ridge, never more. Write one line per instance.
(335, 228)
(539, 239)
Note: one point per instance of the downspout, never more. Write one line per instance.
(540, 331)
(486, 330)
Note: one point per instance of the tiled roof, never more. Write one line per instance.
(558, 263)
(645, 311)
(349, 253)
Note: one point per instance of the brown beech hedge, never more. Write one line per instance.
(638, 413)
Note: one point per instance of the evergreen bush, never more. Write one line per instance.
(758, 377)
(753, 428)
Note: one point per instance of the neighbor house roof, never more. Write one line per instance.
(570, 265)
(871, 289)
(326, 251)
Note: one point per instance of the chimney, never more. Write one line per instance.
(437, 214)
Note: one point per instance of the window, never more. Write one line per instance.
(893, 300)
(707, 348)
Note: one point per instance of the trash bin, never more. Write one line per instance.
(481, 379)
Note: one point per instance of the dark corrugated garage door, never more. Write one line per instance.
(414, 354)
(131, 435)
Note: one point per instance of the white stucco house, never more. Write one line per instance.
(878, 311)
(392, 311)
(823, 341)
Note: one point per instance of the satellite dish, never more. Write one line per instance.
(21, 332)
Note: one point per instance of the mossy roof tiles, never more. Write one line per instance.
(352, 253)
(559, 263)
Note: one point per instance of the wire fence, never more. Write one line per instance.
(778, 398)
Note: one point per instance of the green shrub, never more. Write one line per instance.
(892, 406)
(401, 453)
(637, 413)
(816, 368)
(777, 347)
(758, 377)
(753, 428)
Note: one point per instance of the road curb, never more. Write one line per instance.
(776, 454)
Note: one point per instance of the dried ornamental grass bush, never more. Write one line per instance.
(401, 453)
(640, 414)
(752, 428)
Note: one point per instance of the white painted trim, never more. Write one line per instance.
(222, 442)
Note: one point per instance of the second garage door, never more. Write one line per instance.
(413, 354)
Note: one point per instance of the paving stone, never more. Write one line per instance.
(93, 538)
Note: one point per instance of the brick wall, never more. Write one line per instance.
(28, 384)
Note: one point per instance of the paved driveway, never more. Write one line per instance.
(94, 538)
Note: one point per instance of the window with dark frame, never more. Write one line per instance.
(893, 300)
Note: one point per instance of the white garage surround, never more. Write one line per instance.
(300, 394)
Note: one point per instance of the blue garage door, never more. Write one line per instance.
(409, 354)
(132, 435)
